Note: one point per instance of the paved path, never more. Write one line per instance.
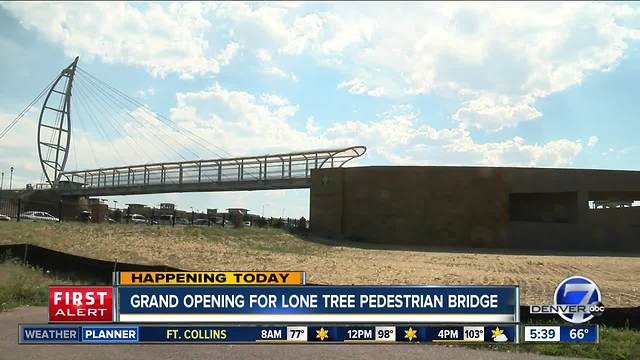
(9, 348)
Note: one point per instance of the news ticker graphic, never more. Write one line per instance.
(313, 304)
(250, 297)
(195, 278)
(562, 333)
(166, 333)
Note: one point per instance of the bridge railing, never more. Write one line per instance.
(241, 169)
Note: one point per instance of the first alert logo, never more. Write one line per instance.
(80, 304)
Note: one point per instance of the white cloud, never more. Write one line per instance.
(311, 126)
(263, 55)
(516, 152)
(360, 87)
(485, 55)
(497, 60)
(228, 53)
(276, 71)
(346, 33)
(144, 93)
(401, 139)
(593, 140)
(492, 111)
(269, 25)
(270, 69)
(272, 99)
(160, 38)
(497, 64)
(242, 123)
(246, 124)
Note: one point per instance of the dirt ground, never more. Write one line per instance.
(204, 248)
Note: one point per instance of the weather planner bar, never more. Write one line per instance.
(166, 333)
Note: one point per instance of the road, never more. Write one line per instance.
(9, 348)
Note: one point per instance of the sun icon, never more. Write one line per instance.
(497, 332)
(322, 334)
(410, 334)
(498, 335)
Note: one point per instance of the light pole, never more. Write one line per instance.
(2, 181)
(263, 205)
(11, 178)
(116, 214)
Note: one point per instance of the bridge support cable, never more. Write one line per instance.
(114, 107)
(111, 111)
(83, 110)
(24, 111)
(109, 115)
(193, 136)
(204, 144)
(121, 101)
(85, 128)
(115, 113)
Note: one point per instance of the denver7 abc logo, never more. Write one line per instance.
(577, 300)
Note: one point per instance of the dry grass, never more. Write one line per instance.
(214, 248)
(23, 285)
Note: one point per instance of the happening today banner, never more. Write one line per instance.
(338, 304)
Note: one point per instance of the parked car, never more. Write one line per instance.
(201, 222)
(182, 221)
(4, 218)
(246, 223)
(38, 216)
(226, 221)
(165, 220)
(84, 216)
(137, 219)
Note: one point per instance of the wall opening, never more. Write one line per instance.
(561, 207)
(619, 208)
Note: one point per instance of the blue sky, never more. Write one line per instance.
(493, 84)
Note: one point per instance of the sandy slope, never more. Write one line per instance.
(202, 248)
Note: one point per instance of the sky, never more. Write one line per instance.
(488, 84)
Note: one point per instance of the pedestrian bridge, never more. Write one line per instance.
(267, 172)
(114, 115)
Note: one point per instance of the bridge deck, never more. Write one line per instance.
(267, 172)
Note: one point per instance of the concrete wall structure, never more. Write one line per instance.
(484, 207)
